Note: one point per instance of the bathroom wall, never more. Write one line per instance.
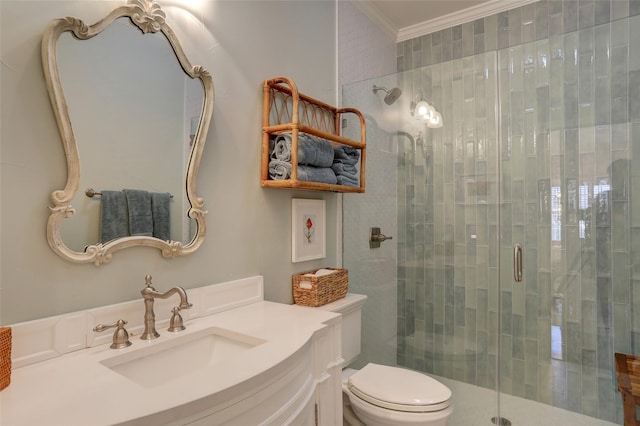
(365, 50)
(248, 227)
(367, 54)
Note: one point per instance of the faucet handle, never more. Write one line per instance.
(147, 281)
(175, 323)
(120, 336)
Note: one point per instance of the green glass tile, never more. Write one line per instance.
(634, 34)
(545, 383)
(621, 327)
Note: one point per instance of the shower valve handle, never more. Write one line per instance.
(380, 237)
(375, 237)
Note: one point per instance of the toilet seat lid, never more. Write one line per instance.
(399, 389)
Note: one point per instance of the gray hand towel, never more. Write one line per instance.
(160, 214)
(347, 180)
(345, 169)
(346, 154)
(140, 217)
(312, 151)
(113, 207)
(282, 148)
(316, 174)
(279, 170)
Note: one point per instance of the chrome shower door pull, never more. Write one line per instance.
(375, 237)
(517, 262)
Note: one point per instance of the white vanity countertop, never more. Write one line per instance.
(76, 389)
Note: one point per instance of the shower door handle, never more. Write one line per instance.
(517, 262)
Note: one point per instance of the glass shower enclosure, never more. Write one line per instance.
(539, 149)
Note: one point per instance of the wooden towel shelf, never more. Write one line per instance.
(285, 110)
(628, 375)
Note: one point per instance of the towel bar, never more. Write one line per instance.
(90, 192)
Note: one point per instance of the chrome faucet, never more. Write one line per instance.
(149, 294)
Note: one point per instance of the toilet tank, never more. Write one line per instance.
(350, 307)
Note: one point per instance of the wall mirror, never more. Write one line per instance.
(133, 114)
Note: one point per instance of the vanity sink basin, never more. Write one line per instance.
(175, 357)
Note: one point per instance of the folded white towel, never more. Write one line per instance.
(319, 273)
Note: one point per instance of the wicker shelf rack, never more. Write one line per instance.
(285, 110)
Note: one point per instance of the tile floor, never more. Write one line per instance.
(475, 406)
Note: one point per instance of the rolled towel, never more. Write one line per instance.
(324, 271)
(346, 180)
(312, 151)
(316, 174)
(345, 169)
(346, 155)
(319, 273)
(282, 148)
(279, 170)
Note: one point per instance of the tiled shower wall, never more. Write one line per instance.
(541, 106)
(366, 52)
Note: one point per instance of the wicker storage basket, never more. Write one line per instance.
(5, 357)
(320, 290)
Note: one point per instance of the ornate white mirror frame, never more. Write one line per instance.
(149, 18)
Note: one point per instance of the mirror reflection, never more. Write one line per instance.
(133, 115)
(132, 111)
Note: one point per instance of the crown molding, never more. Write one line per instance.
(467, 15)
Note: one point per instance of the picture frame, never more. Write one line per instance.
(308, 231)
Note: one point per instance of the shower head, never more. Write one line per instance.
(391, 95)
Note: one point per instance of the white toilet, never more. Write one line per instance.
(380, 395)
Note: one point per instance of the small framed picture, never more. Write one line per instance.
(308, 234)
